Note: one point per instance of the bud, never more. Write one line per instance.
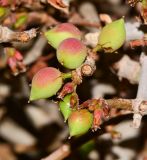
(65, 106)
(112, 36)
(98, 115)
(71, 53)
(15, 60)
(67, 88)
(61, 32)
(45, 83)
(80, 122)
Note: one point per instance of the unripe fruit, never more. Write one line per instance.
(65, 106)
(112, 36)
(61, 32)
(80, 122)
(45, 83)
(71, 53)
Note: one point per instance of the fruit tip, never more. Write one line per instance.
(123, 17)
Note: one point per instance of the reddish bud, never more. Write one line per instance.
(98, 115)
(46, 83)
(18, 56)
(67, 88)
(4, 2)
(71, 53)
(15, 60)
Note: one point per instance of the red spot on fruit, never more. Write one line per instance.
(68, 27)
(72, 46)
(46, 75)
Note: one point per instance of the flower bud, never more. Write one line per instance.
(15, 60)
(112, 36)
(67, 88)
(71, 53)
(61, 32)
(80, 122)
(45, 83)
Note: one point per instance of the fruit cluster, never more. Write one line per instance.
(71, 53)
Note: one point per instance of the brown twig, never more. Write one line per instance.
(7, 35)
(61, 153)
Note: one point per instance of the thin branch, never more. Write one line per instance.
(138, 43)
(7, 35)
(60, 153)
(141, 93)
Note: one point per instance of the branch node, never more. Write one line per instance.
(136, 103)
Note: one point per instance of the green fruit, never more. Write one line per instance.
(65, 106)
(61, 32)
(45, 83)
(71, 53)
(112, 36)
(80, 122)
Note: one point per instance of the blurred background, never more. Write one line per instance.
(31, 131)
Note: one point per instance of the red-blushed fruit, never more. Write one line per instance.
(80, 122)
(45, 83)
(71, 53)
(61, 32)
